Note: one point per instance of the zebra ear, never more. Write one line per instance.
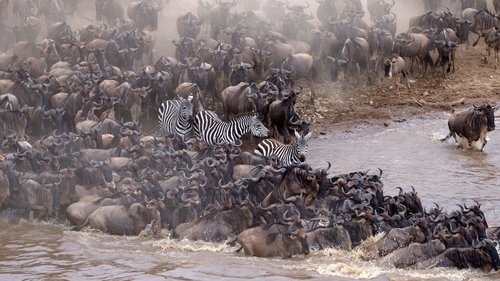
(308, 136)
(297, 135)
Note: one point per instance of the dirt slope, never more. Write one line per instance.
(473, 82)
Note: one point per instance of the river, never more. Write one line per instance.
(408, 152)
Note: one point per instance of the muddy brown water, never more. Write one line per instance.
(408, 153)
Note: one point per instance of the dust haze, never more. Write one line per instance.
(166, 32)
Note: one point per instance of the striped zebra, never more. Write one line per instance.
(287, 154)
(213, 131)
(174, 117)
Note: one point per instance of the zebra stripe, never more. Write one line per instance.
(294, 153)
(209, 128)
(174, 117)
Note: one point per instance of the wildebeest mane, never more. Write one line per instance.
(474, 121)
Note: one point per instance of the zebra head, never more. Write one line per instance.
(257, 128)
(186, 108)
(301, 144)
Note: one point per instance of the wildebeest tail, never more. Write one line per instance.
(428, 60)
(81, 226)
(233, 242)
(314, 71)
(446, 138)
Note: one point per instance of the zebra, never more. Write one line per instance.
(175, 117)
(288, 154)
(213, 131)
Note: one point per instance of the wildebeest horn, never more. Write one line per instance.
(124, 131)
(333, 20)
(329, 166)
(296, 123)
(147, 201)
(440, 42)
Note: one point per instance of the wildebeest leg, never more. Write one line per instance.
(447, 137)
(412, 60)
(487, 54)
(397, 84)
(311, 88)
(405, 75)
(452, 61)
(497, 53)
(477, 41)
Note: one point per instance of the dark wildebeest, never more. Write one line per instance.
(298, 180)
(144, 14)
(378, 9)
(431, 5)
(218, 15)
(326, 10)
(355, 51)
(483, 256)
(473, 125)
(188, 25)
(445, 42)
(108, 10)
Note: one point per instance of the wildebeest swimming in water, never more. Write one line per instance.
(472, 125)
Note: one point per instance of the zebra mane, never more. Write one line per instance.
(239, 118)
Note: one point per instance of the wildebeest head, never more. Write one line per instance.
(388, 67)
(300, 181)
(150, 13)
(184, 48)
(489, 113)
(335, 65)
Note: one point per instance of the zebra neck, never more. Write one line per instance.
(240, 126)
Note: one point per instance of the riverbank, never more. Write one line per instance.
(343, 106)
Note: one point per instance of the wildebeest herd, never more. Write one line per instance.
(72, 108)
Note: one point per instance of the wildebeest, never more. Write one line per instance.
(144, 14)
(414, 45)
(188, 25)
(217, 14)
(378, 9)
(298, 180)
(243, 98)
(124, 220)
(218, 226)
(473, 125)
(273, 240)
(79, 211)
(355, 51)
(483, 256)
(492, 40)
(481, 20)
(395, 66)
(445, 42)
(301, 66)
(414, 253)
(108, 10)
